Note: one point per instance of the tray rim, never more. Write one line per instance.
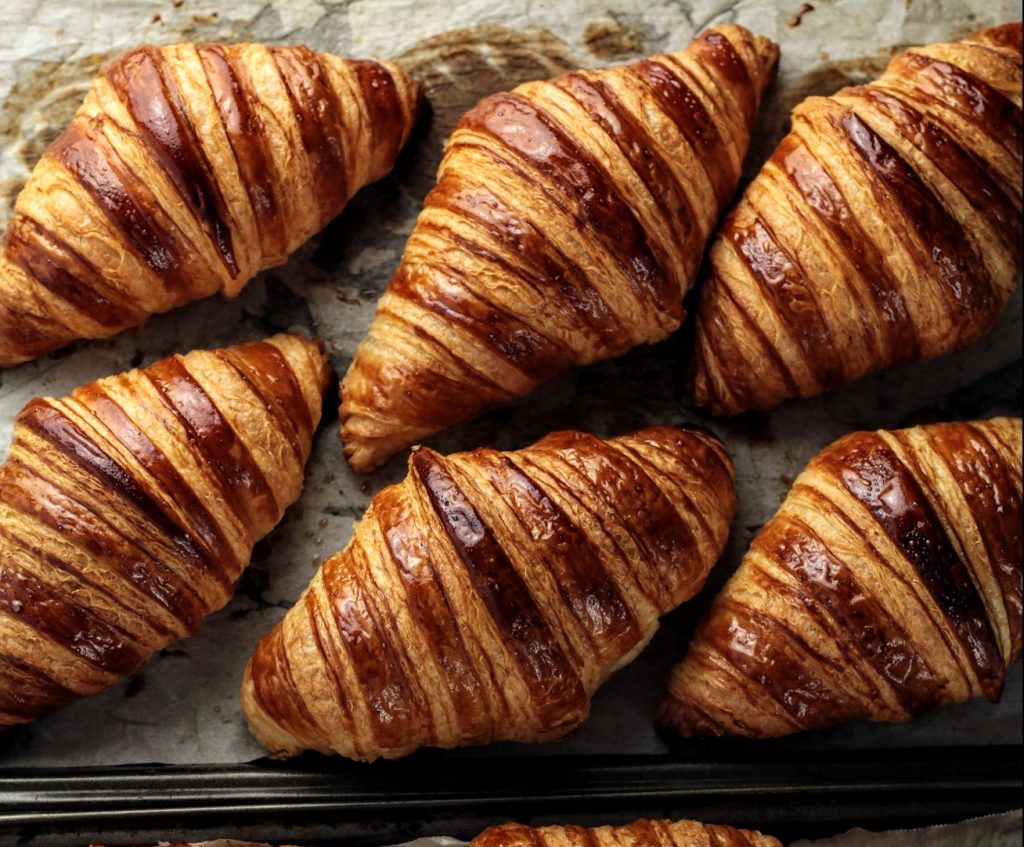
(952, 777)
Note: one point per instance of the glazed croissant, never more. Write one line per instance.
(568, 220)
(129, 508)
(888, 583)
(187, 170)
(643, 832)
(885, 228)
(488, 595)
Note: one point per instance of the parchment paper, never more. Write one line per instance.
(183, 707)
(992, 831)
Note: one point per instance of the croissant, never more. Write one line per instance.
(129, 508)
(187, 170)
(568, 220)
(885, 228)
(489, 594)
(643, 832)
(888, 583)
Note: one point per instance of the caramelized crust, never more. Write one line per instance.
(489, 594)
(888, 583)
(188, 169)
(643, 832)
(129, 508)
(885, 228)
(568, 220)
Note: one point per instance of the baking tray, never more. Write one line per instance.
(789, 794)
(89, 773)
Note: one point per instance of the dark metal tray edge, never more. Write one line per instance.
(961, 781)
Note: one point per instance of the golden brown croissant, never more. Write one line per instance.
(489, 594)
(886, 227)
(888, 583)
(643, 832)
(129, 508)
(187, 170)
(568, 220)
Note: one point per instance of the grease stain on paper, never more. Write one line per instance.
(612, 40)
(459, 67)
(36, 110)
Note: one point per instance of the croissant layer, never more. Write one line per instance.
(885, 228)
(129, 508)
(656, 833)
(888, 583)
(489, 594)
(568, 220)
(188, 169)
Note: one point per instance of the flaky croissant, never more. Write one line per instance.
(568, 220)
(188, 169)
(129, 508)
(659, 833)
(488, 595)
(888, 583)
(885, 228)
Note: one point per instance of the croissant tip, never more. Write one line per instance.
(768, 52)
(327, 375)
(354, 455)
(663, 715)
(766, 49)
(1008, 34)
(688, 395)
(421, 104)
(672, 715)
(700, 402)
(363, 458)
(681, 720)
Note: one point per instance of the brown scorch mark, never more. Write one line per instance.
(798, 18)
